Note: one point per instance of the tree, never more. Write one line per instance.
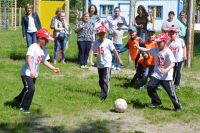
(22, 3)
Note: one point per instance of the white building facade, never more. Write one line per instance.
(161, 8)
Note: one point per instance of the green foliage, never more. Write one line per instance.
(22, 3)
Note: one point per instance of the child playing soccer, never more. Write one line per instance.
(35, 55)
(134, 40)
(162, 73)
(147, 60)
(178, 48)
(102, 50)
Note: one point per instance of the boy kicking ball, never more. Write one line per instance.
(102, 50)
(162, 73)
(35, 55)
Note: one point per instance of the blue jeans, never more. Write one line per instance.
(83, 53)
(110, 36)
(114, 58)
(31, 38)
(60, 44)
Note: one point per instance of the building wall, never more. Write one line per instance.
(167, 5)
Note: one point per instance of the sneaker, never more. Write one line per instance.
(86, 66)
(82, 66)
(103, 97)
(118, 68)
(54, 62)
(178, 110)
(92, 64)
(143, 87)
(177, 87)
(24, 110)
(113, 67)
(63, 62)
(153, 105)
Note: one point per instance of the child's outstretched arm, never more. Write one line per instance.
(117, 55)
(125, 48)
(142, 48)
(54, 69)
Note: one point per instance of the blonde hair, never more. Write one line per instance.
(59, 9)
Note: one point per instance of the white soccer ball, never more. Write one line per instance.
(120, 105)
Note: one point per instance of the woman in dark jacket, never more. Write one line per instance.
(30, 25)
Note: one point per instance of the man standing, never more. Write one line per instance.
(113, 21)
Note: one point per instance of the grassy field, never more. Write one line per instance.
(69, 101)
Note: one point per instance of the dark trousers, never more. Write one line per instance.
(104, 80)
(169, 88)
(177, 73)
(84, 49)
(138, 74)
(26, 95)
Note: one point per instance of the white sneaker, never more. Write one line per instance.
(82, 66)
(86, 66)
(117, 68)
(24, 110)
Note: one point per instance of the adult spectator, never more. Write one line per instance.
(182, 25)
(113, 21)
(62, 32)
(30, 25)
(183, 18)
(85, 30)
(141, 22)
(52, 26)
(170, 22)
(94, 18)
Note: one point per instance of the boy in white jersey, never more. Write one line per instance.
(102, 49)
(178, 48)
(163, 72)
(35, 55)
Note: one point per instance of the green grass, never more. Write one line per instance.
(61, 101)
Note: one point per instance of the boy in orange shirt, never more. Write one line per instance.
(134, 40)
(145, 62)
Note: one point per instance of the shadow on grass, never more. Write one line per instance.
(17, 55)
(96, 94)
(93, 127)
(13, 104)
(32, 124)
(72, 59)
(137, 104)
(103, 126)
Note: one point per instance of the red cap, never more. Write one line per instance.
(101, 29)
(44, 33)
(162, 37)
(174, 30)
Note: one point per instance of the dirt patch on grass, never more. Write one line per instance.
(130, 122)
(96, 121)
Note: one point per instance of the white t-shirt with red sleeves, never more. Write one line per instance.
(38, 55)
(163, 60)
(177, 48)
(103, 50)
